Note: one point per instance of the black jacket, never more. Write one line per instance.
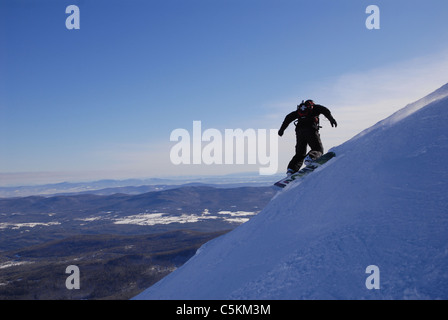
(309, 122)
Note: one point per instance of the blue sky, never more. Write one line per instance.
(101, 101)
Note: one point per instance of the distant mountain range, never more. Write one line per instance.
(136, 186)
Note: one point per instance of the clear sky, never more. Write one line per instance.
(101, 101)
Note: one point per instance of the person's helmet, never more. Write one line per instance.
(309, 103)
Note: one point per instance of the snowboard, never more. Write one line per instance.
(306, 170)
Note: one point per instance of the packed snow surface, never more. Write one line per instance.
(382, 201)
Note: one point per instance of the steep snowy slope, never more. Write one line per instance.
(382, 201)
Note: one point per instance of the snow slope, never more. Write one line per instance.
(382, 201)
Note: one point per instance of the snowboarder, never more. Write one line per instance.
(306, 119)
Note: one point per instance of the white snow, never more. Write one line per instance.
(382, 201)
(7, 225)
(151, 219)
(9, 264)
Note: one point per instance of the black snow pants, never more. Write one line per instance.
(305, 137)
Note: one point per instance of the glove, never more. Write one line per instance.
(333, 122)
(280, 132)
